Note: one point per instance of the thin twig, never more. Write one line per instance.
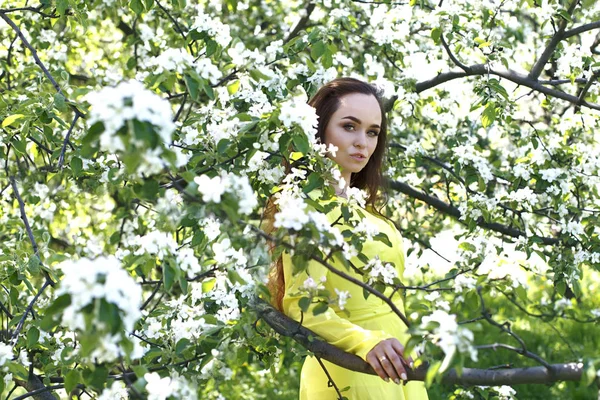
(331, 382)
(61, 158)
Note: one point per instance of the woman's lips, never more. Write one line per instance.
(358, 157)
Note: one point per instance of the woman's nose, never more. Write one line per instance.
(361, 139)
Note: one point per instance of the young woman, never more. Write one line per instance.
(352, 118)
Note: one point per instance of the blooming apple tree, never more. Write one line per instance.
(141, 140)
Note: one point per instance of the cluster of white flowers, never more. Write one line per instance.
(86, 280)
(292, 211)
(177, 60)
(258, 164)
(551, 174)
(572, 57)
(523, 195)
(503, 267)
(175, 386)
(462, 282)
(504, 392)
(118, 391)
(207, 70)
(297, 111)
(574, 228)
(436, 298)
(240, 56)
(213, 27)
(449, 336)
(342, 297)
(213, 188)
(311, 285)
(226, 254)
(224, 294)
(155, 242)
(163, 245)
(466, 154)
(366, 227)
(356, 196)
(522, 171)
(211, 228)
(322, 76)
(115, 106)
(5, 353)
(562, 304)
(378, 270)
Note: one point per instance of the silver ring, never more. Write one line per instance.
(382, 359)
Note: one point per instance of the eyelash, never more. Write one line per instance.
(375, 133)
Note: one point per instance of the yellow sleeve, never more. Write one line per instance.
(334, 329)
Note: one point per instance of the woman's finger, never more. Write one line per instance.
(408, 360)
(373, 360)
(388, 363)
(395, 365)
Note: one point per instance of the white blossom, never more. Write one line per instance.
(102, 278)
(6, 353)
(449, 336)
(342, 297)
(378, 270)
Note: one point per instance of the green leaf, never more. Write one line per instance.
(97, 378)
(301, 143)
(436, 34)
(232, 88)
(382, 237)
(489, 115)
(320, 308)
(467, 247)
(33, 265)
(72, 379)
(168, 276)
(62, 6)
(192, 86)
(136, 6)
(76, 166)
(314, 181)
(432, 372)
(59, 102)
(11, 119)
(33, 336)
(521, 293)
(304, 303)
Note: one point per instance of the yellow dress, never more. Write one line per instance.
(369, 321)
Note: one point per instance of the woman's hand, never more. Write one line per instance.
(388, 360)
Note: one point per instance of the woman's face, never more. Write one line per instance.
(354, 129)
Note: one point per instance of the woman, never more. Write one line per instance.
(352, 118)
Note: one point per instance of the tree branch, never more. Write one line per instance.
(302, 23)
(37, 59)
(538, 67)
(61, 159)
(506, 328)
(455, 213)
(32, 50)
(287, 327)
(581, 29)
(513, 76)
(36, 389)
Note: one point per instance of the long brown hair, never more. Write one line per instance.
(326, 102)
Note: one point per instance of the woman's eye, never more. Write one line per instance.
(349, 127)
(373, 133)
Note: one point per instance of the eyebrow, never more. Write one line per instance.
(358, 121)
